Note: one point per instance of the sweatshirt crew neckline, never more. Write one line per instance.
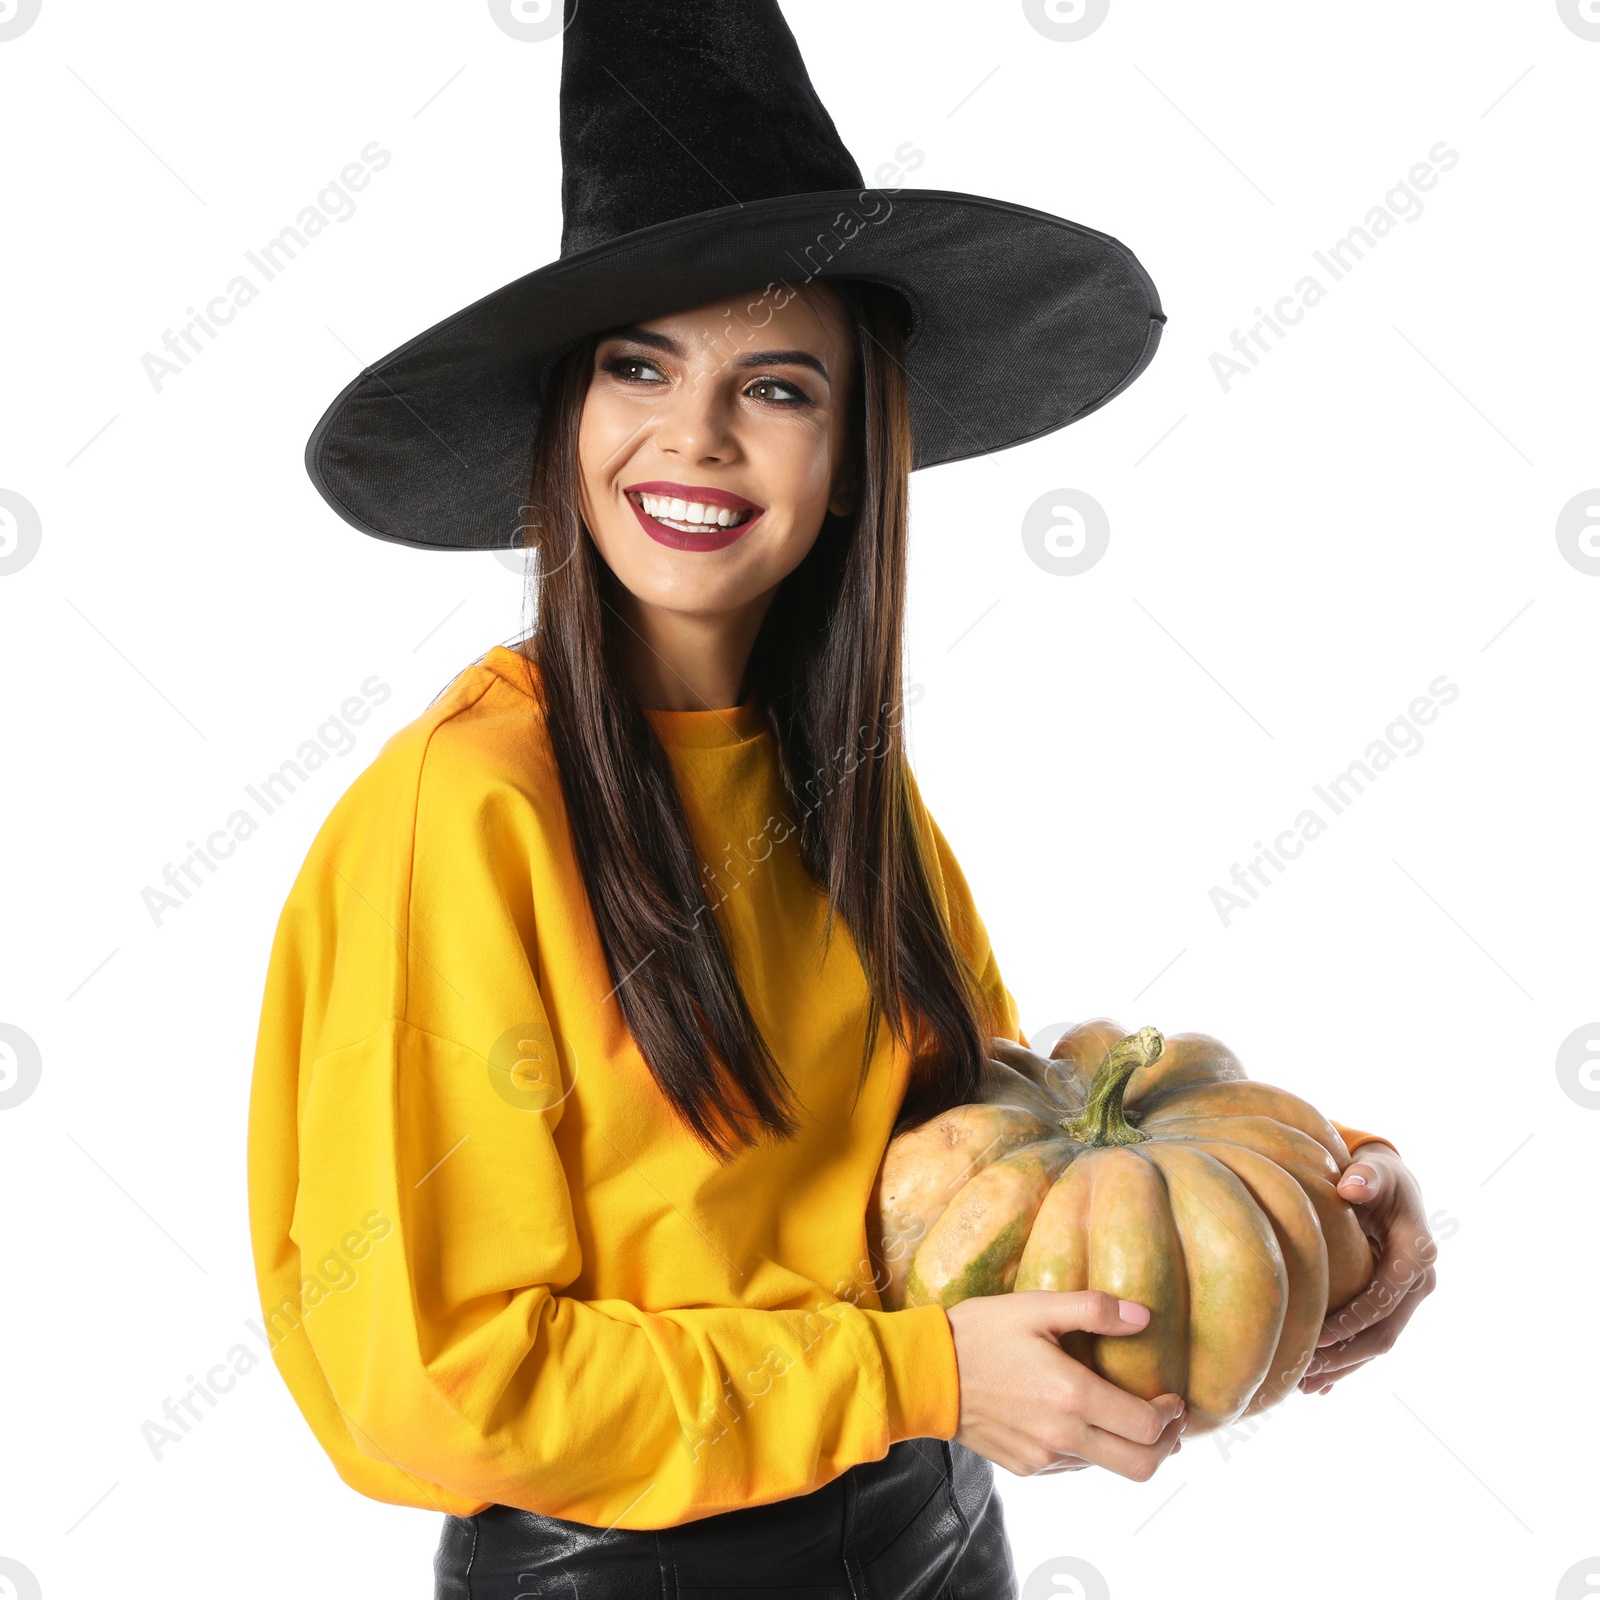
(704, 730)
(708, 729)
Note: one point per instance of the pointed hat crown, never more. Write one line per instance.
(731, 117)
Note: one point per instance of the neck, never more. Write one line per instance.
(688, 661)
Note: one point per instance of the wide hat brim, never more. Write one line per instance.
(1022, 322)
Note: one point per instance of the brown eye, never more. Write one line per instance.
(633, 369)
(777, 392)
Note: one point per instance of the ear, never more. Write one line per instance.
(845, 494)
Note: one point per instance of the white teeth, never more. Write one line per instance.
(690, 513)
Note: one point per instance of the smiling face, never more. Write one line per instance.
(709, 452)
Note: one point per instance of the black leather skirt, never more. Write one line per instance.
(924, 1523)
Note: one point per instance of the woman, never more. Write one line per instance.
(603, 989)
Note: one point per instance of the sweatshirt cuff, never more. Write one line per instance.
(1354, 1136)
(922, 1387)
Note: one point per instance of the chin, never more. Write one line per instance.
(693, 595)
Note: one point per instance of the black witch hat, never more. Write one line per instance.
(719, 173)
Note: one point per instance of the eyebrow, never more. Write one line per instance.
(784, 358)
(759, 358)
(656, 341)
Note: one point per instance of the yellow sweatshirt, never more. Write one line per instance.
(494, 1265)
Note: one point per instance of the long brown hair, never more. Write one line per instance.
(826, 671)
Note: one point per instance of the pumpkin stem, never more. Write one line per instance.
(1102, 1121)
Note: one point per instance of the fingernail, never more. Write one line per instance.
(1354, 1179)
(1132, 1311)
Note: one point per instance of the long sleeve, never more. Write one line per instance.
(971, 936)
(422, 1115)
(457, 1355)
(1354, 1136)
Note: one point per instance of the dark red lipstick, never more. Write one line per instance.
(707, 536)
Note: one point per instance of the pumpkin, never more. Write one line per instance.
(1151, 1168)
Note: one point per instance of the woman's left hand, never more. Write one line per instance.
(1390, 1201)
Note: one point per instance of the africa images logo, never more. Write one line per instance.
(16, 17)
(335, 202)
(20, 532)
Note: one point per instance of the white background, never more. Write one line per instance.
(1291, 563)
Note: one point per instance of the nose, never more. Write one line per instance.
(695, 422)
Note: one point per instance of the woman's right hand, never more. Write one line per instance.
(1030, 1408)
